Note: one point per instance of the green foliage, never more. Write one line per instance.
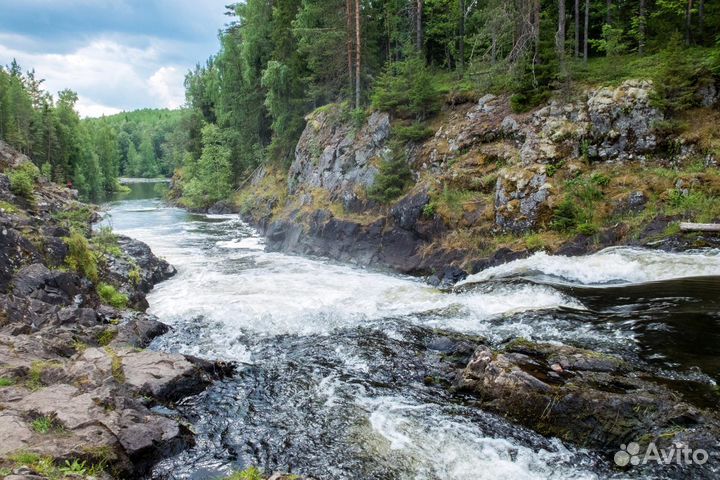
(75, 467)
(391, 181)
(674, 82)
(80, 256)
(23, 178)
(106, 242)
(565, 216)
(250, 473)
(407, 88)
(77, 218)
(213, 172)
(6, 382)
(45, 425)
(611, 42)
(111, 296)
(8, 208)
(135, 276)
(416, 132)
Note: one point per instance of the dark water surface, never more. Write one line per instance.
(333, 358)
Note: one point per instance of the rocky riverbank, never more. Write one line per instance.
(79, 395)
(600, 167)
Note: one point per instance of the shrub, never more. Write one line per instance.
(391, 181)
(251, 473)
(674, 82)
(106, 241)
(416, 132)
(80, 256)
(586, 229)
(23, 178)
(565, 216)
(407, 88)
(111, 296)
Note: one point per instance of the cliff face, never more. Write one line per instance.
(600, 167)
(75, 384)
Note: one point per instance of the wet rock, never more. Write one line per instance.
(137, 270)
(160, 375)
(221, 208)
(139, 331)
(580, 396)
(15, 252)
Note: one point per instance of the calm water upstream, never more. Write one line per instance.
(333, 358)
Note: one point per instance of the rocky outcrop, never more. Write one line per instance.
(583, 397)
(75, 382)
(334, 155)
(521, 198)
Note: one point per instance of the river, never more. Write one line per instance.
(334, 359)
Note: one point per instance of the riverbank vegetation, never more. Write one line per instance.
(280, 61)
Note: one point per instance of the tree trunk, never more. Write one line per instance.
(418, 25)
(641, 29)
(536, 26)
(358, 50)
(577, 28)
(350, 40)
(560, 37)
(461, 47)
(701, 21)
(608, 17)
(688, 21)
(587, 27)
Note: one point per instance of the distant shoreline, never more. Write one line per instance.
(126, 180)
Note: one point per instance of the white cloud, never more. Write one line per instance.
(108, 74)
(167, 84)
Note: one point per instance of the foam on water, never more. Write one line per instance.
(612, 265)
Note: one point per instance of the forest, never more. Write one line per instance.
(280, 60)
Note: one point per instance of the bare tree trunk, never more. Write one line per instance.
(560, 37)
(641, 28)
(461, 47)
(536, 26)
(587, 28)
(358, 50)
(608, 17)
(350, 40)
(688, 21)
(577, 28)
(418, 25)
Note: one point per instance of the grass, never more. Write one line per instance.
(34, 381)
(111, 296)
(106, 337)
(46, 466)
(45, 425)
(8, 208)
(77, 218)
(250, 473)
(105, 241)
(80, 256)
(116, 365)
(6, 382)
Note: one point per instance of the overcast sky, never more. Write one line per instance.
(116, 54)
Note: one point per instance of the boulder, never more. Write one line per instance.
(583, 397)
(50, 286)
(521, 198)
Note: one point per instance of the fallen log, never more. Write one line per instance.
(699, 227)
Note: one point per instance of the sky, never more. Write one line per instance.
(118, 55)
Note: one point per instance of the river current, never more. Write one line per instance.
(334, 359)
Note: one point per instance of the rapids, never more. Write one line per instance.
(334, 359)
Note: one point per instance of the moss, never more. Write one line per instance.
(76, 218)
(116, 365)
(111, 296)
(107, 336)
(8, 208)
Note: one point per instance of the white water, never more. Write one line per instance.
(232, 295)
(612, 265)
